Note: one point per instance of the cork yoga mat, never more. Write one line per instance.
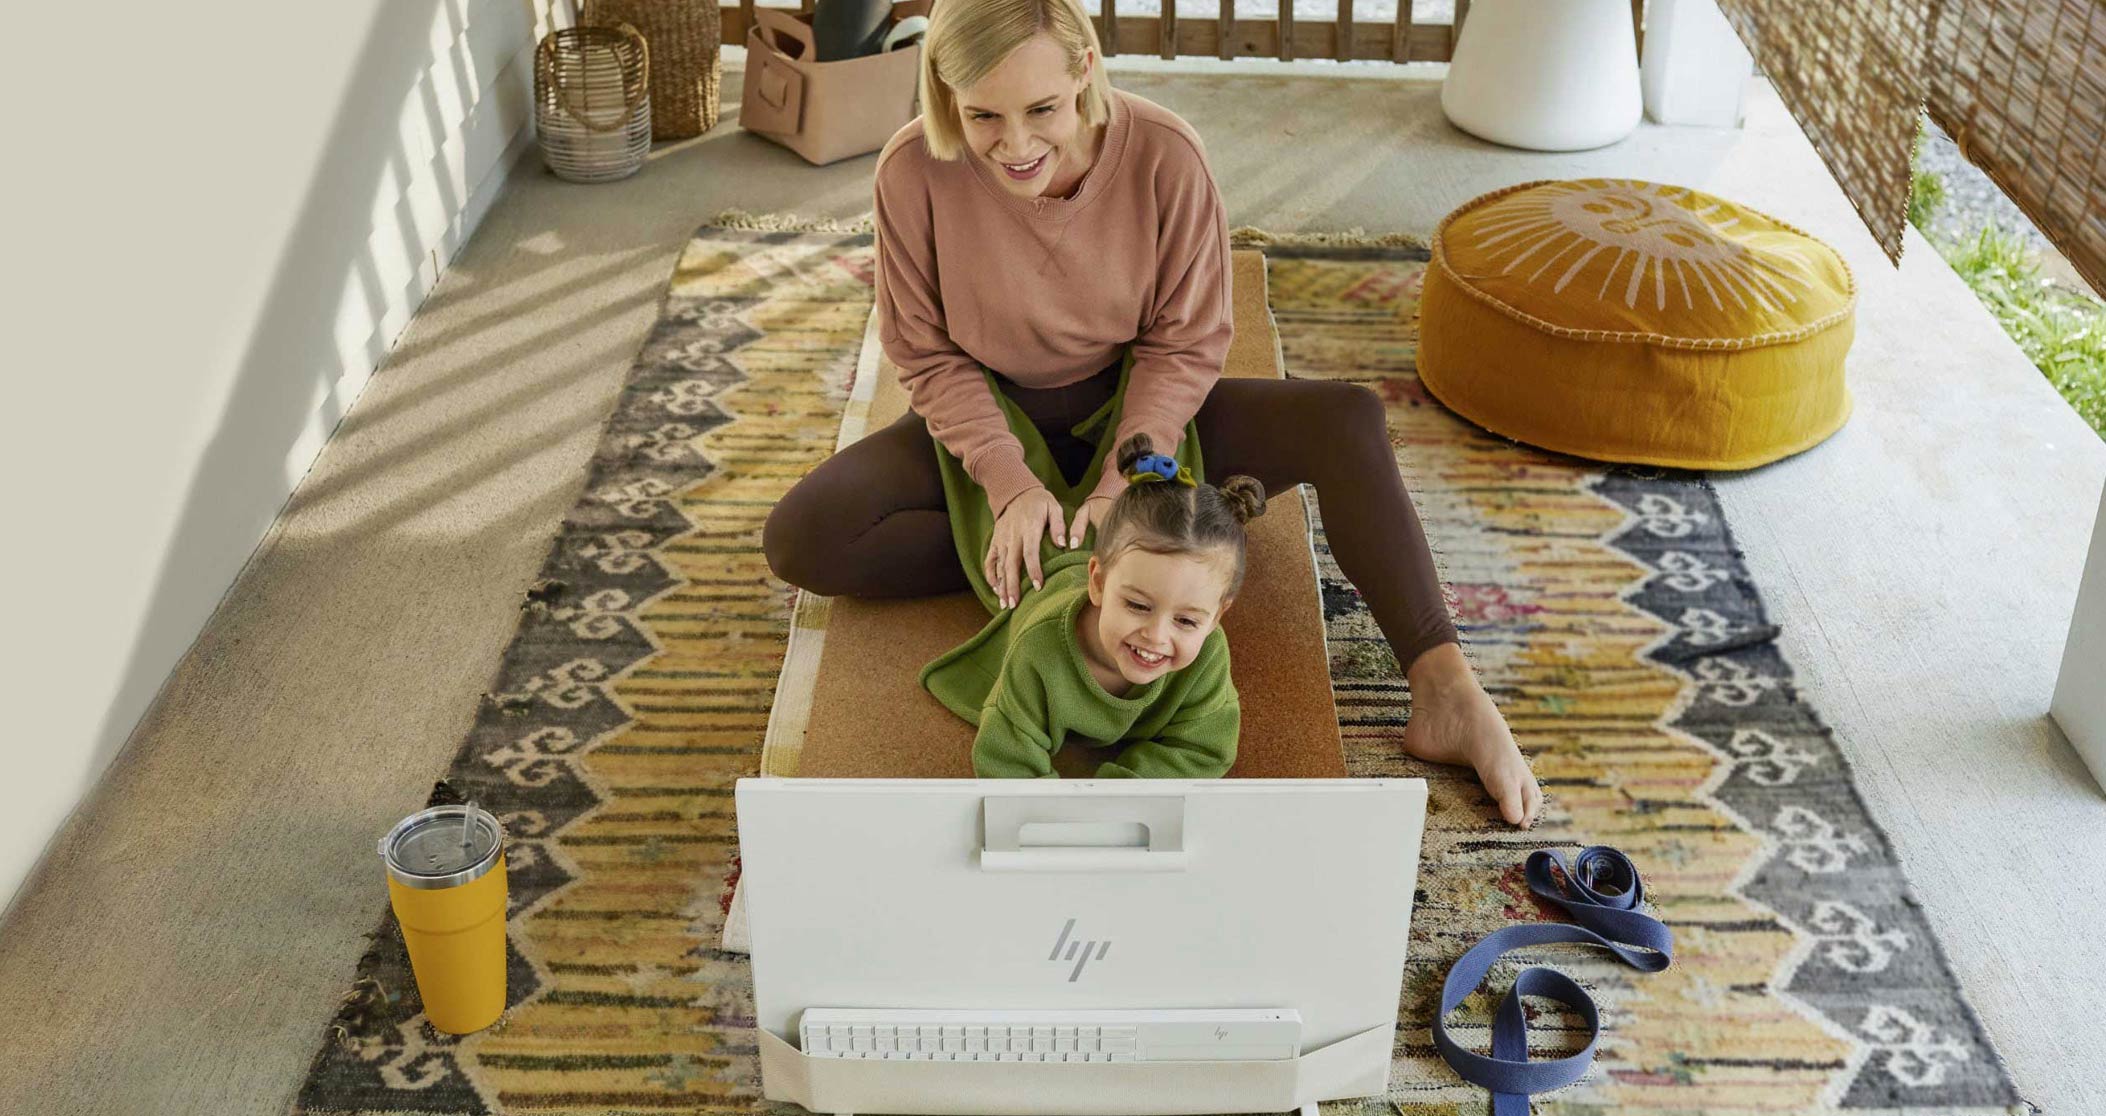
(1607, 610)
(872, 650)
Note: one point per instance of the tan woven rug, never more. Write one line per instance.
(1608, 612)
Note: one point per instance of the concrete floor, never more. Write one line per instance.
(195, 922)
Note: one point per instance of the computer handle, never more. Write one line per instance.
(1083, 833)
(1082, 860)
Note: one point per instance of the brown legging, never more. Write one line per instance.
(870, 520)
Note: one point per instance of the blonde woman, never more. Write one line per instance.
(1052, 248)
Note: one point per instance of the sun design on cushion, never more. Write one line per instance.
(1674, 239)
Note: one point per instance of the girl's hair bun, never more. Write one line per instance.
(1134, 448)
(1244, 496)
(1179, 518)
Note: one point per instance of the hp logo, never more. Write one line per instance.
(1077, 951)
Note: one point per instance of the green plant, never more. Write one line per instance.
(2062, 332)
(1926, 187)
(1926, 197)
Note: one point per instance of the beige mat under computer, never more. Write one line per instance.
(868, 716)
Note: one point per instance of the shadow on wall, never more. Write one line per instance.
(337, 274)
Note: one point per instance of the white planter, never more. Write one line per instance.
(1695, 70)
(1548, 75)
(2080, 693)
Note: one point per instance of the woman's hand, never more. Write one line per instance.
(1017, 533)
(1092, 512)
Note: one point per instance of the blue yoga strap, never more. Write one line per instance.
(1601, 891)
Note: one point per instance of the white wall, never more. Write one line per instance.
(221, 218)
(2080, 690)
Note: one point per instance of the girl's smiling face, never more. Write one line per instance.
(1022, 120)
(1154, 611)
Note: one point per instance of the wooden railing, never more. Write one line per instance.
(1226, 37)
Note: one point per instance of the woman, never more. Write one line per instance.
(1037, 223)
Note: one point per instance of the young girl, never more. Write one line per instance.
(1125, 649)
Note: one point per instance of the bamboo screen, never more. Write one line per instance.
(2021, 86)
(1852, 74)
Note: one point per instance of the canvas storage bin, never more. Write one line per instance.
(1636, 322)
(826, 111)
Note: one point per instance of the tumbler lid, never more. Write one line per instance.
(443, 846)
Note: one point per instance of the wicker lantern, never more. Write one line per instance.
(592, 102)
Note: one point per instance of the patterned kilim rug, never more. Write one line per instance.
(1608, 611)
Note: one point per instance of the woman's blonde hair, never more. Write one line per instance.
(968, 38)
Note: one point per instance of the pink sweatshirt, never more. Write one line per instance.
(1046, 291)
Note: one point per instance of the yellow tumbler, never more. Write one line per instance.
(446, 881)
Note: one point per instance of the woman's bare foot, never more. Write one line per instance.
(1454, 721)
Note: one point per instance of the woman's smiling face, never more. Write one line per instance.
(1021, 119)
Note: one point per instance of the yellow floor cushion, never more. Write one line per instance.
(1630, 321)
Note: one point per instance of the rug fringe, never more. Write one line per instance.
(790, 222)
(1248, 236)
(1244, 236)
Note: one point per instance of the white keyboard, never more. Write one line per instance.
(944, 1035)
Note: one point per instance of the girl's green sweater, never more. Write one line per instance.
(1023, 679)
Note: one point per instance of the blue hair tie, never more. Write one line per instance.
(1155, 467)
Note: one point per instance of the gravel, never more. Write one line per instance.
(1973, 203)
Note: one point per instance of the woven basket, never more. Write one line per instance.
(592, 102)
(686, 63)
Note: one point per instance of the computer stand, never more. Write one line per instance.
(1355, 1066)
